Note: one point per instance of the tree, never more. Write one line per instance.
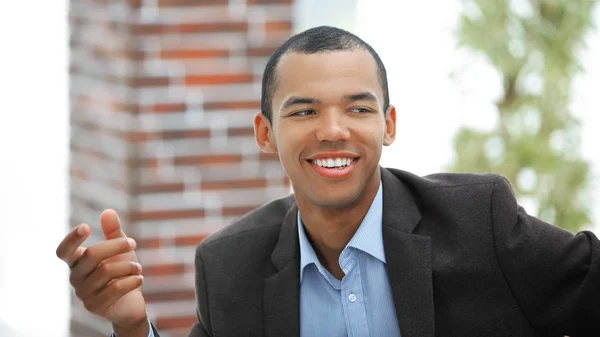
(536, 143)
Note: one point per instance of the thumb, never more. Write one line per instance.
(111, 225)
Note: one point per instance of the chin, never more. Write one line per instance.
(337, 200)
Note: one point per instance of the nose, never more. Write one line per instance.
(331, 127)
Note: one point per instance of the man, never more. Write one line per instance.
(358, 250)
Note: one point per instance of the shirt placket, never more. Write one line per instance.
(353, 298)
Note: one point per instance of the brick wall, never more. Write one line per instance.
(162, 98)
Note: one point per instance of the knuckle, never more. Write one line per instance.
(135, 268)
(88, 254)
(125, 244)
(89, 306)
(117, 286)
(104, 268)
(60, 252)
(72, 278)
(78, 293)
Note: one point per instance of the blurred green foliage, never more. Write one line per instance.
(534, 45)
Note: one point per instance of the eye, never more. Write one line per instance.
(360, 110)
(303, 112)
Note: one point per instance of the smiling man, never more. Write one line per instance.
(358, 250)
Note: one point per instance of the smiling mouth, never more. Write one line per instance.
(332, 163)
(333, 168)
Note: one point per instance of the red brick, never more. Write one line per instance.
(195, 160)
(143, 136)
(151, 243)
(192, 3)
(232, 105)
(136, 55)
(213, 27)
(125, 42)
(210, 159)
(278, 25)
(268, 156)
(167, 323)
(166, 108)
(155, 29)
(147, 29)
(233, 184)
(170, 134)
(192, 240)
(193, 54)
(150, 82)
(163, 269)
(218, 79)
(260, 51)
(135, 3)
(161, 188)
(177, 295)
(275, 35)
(240, 132)
(186, 134)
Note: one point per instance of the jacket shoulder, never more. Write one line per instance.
(267, 217)
(451, 189)
(445, 180)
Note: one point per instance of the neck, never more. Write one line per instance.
(330, 229)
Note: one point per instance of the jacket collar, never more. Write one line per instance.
(408, 259)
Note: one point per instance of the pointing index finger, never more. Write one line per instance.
(69, 249)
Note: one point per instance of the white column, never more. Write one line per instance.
(33, 166)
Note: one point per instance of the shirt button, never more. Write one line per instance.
(352, 298)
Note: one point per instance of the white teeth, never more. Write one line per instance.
(331, 162)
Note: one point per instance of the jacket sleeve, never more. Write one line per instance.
(553, 274)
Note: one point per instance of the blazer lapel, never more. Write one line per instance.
(408, 258)
(282, 290)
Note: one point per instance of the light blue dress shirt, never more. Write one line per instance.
(359, 305)
(150, 334)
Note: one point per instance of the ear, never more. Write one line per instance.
(263, 134)
(390, 126)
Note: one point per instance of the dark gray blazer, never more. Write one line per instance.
(463, 260)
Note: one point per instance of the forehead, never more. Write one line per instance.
(326, 75)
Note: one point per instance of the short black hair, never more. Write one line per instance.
(311, 41)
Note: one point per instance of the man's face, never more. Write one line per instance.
(328, 126)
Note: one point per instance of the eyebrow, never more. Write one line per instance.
(295, 100)
(361, 96)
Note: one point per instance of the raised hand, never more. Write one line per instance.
(106, 276)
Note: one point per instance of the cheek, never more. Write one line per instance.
(286, 145)
(371, 136)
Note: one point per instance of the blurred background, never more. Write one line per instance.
(145, 106)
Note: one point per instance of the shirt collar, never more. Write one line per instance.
(368, 237)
